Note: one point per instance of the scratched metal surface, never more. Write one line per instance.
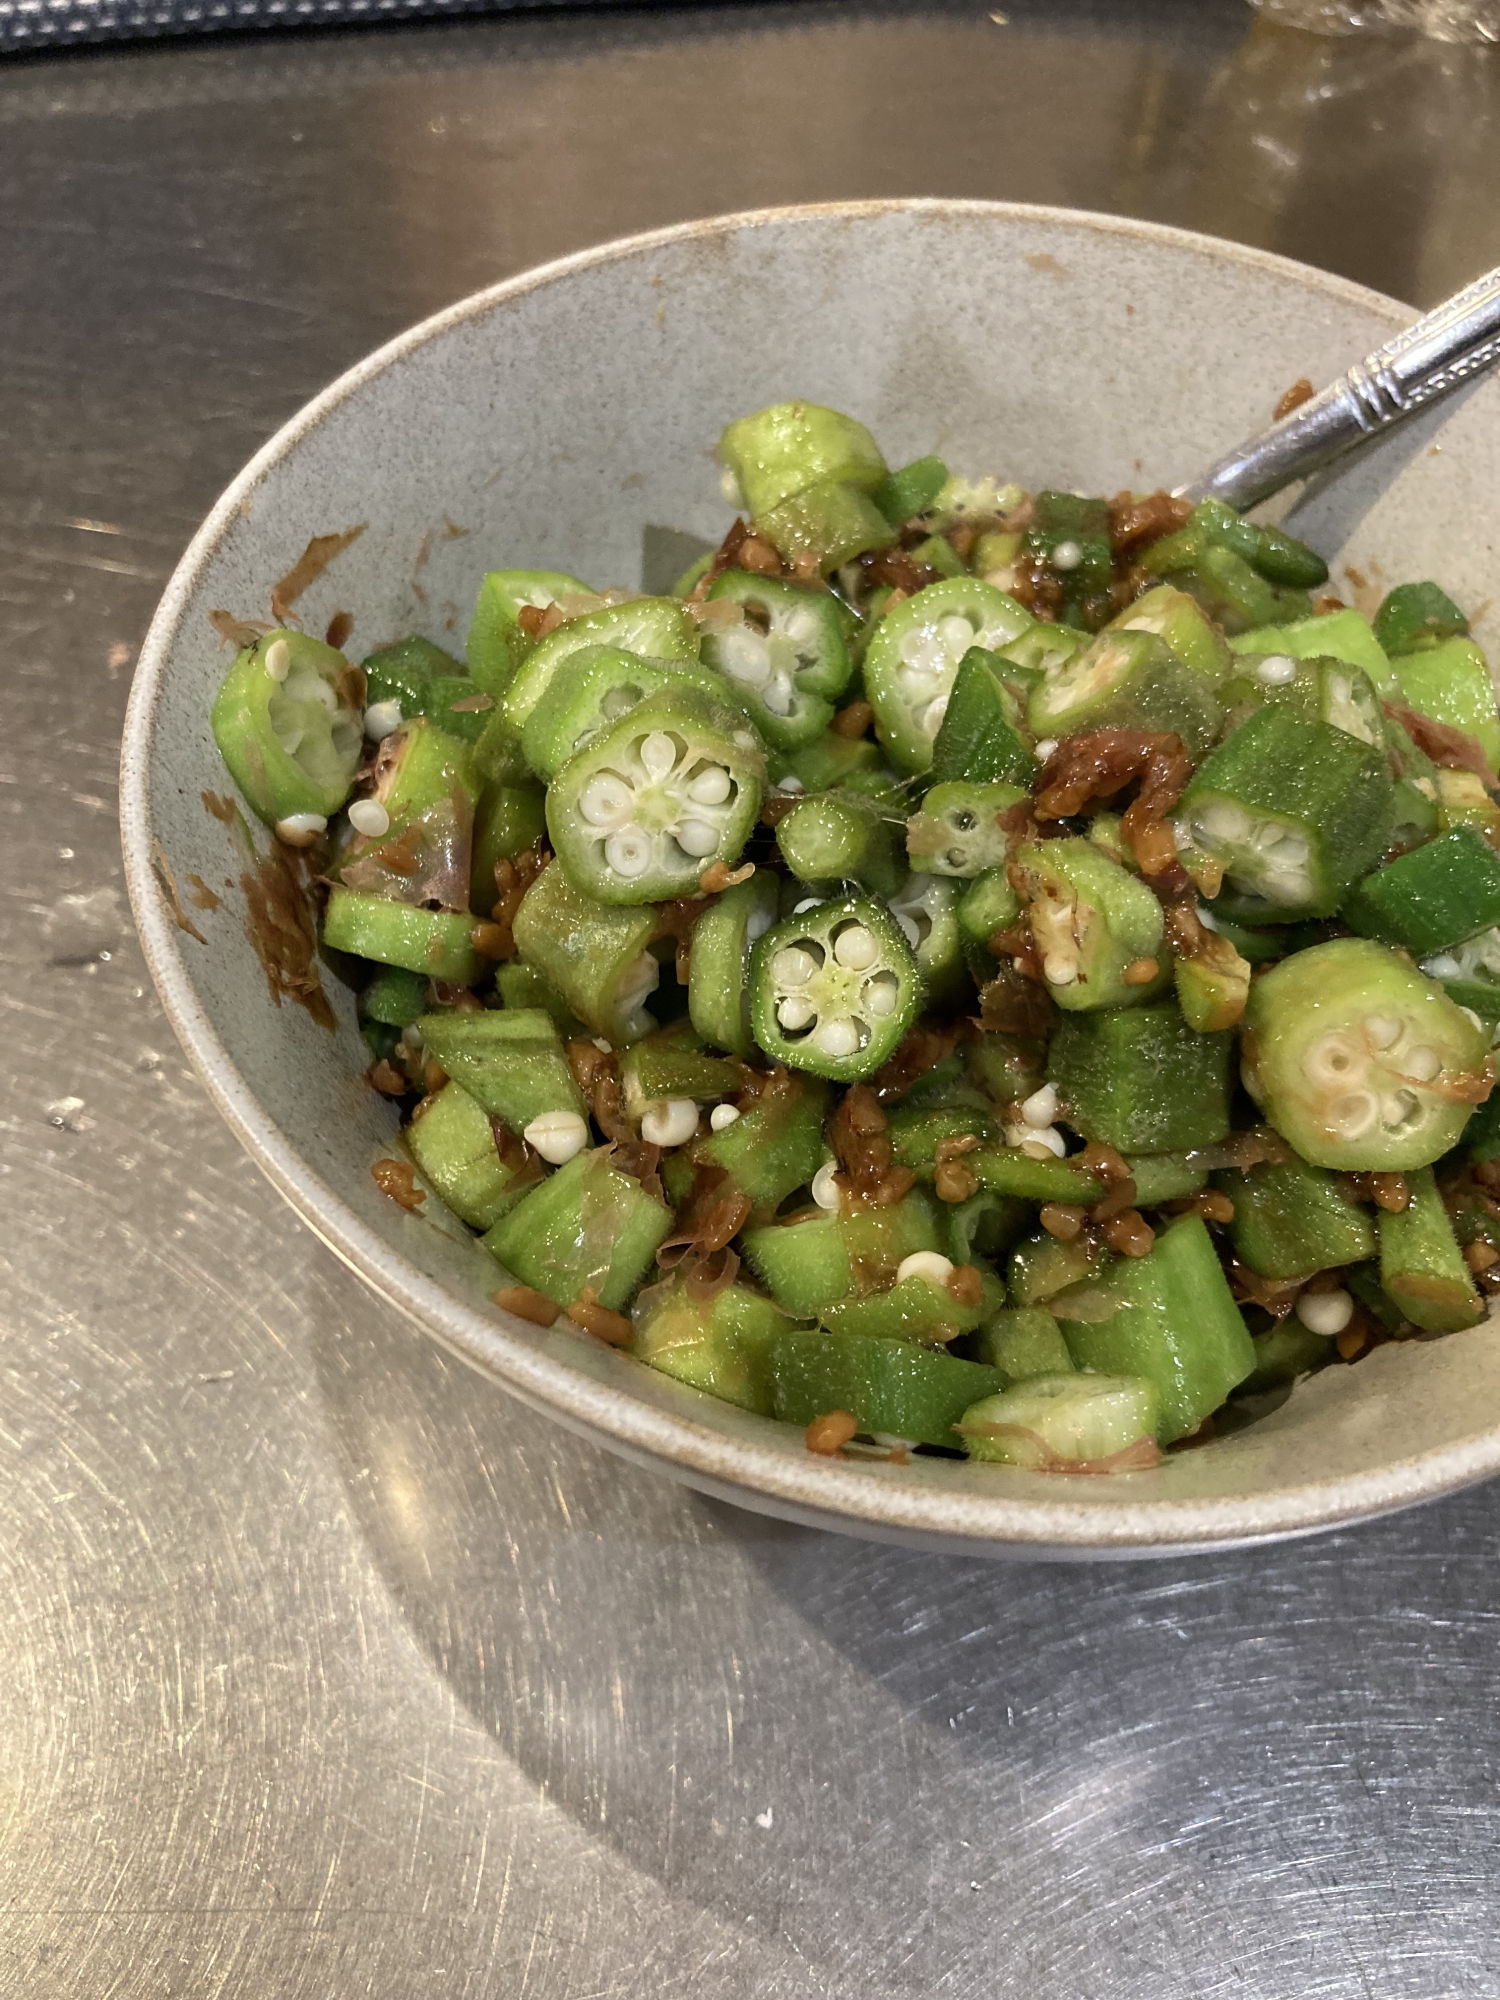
(327, 1672)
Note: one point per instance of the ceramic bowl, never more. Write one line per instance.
(549, 422)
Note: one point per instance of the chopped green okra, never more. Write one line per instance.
(1451, 682)
(1181, 624)
(395, 997)
(497, 642)
(782, 450)
(982, 737)
(841, 837)
(921, 1307)
(926, 911)
(1127, 680)
(654, 628)
(593, 954)
(1022, 1342)
(719, 962)
(1323, 690)
(1050, 1422)
(1438, 896)
(415, 677)
(1421, 1265)
(786, 659)
(1141, 1080)
(892, 1388)
(834, 989)
(453, 1141)
(588, 1228)
(1338, 635)
(437, 943)
(1417, 614)
(915, 655)
(767, 1152)
(958, 831)
(1071, 533)
(510, 1060)
(719, 1344)
(1096, 929)
(819, 1257)
(594, 688)
(1041, 1266)
(285, 723)
(911, 491)
(507, 820)
(1291, 1220)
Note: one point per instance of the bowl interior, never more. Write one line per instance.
(549, 423)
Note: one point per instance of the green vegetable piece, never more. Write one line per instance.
(587, 1227)
(1091, 922)
(507, 820)
(593, 954)
(1470, 973)
(1323, 690)
(639, 813)
(395, 997)
(1022, 1342)
(1126, 680)
(1275, 554)
(782, 450)
(287, 726)
(720, 1345)
(816, 1258)
(917, 1131)
(1037, 652)
(914, 1309)
(437, 943)
(769, 1151)
(1071, 533)
(787, 660)
(1041, 1266)
(988, 906)
(1256, 945)
(986, 1225)
(1293, 810)
(915, 654)
(893, 1388)
(453, 1142)
(958, 830)
(496, 643)
(523, 986)
(827, 761)
(981, 739)
(1164, 1177)
(424, 680)
(1290, 1220)
(1338, 635)
(719, 962)
(1212, 990)
(1008, 1171)
(994, 557)
(1451, 682)
(1177, 1327)
(1359, 1061)
(426, 783)
(694, 574)
(1006, 1067)
(828, 524)
(938, 553)
(653, 628)
(926, 909)
(1141, 1080)
(1463, 800)
(1052, 1422)
(1421, 1265)
(1179, 622)
(834, 989)
(1438, 896)
(509, 1060)
(911, 491)
(1416, 614)
(1285, 1354)
(673, 1064)
(840, 837)
(595, 687)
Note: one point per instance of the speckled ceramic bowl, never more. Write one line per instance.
(548, 422)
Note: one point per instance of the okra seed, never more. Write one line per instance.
(1334, 1059)
(924, 652)
(722, 1117)
(1043, 1145)
(807, 903)
(696, 837)
(793, 788)
(1327, 1313)
(604, 799)
(1221, 821)
(1423, 1064)
(855, 948)
(932, 715)
(628, 852)
(757, 924)
(1058, 969)
(1041, 1107)
(641, 979)
(382, 719)
(658, 753)
(1444, 966)
(777, 694)
(745, 656)
(793, 966)
(1277, 670)
(878, 996)
(710, 787)
(557, 1135)
(794, 1012)
(1384, 1031)
(957, 635)
(1067, 555)
(729, 489)
(369, 817)
(278, 659)
(825, 1190)
(1352, 1116)
(1399, 1108)
(929, 1264)
(1045, 748)
(836, 1039)
(300, 829)
(670, 1123)
(908, 927)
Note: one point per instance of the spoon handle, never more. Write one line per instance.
(1439, 353)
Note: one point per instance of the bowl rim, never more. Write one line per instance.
(825, 1493)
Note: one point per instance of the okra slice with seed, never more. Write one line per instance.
(828, 761)
(497, 643)
(914, 658)
(1097, 930)
(920, 1307)
(1070, 531)
(1324, 690)
(650, 803)
(789, 648)
(1421, 1265)
(1126, 680)
(412, 838)
(841, 837)
(1294, 811)
(719, 962)
(1291, 1219)
(594, 954)
(412, 676)
(926, 909)
(1022, 1342)
(654, 628)
(1470, 973)
(287, 725)
(720, 1344)
(595, 687)
(1451, 682)
(911, 490)
(672, 1073)
(892, 1388)
(768, 1152)
(1049, 1422)
(781, 450)
(958, 831)
(1339, 635)
(510, 1060)
(1359, 1061)
(1041, 1266)
(437, 943)
(1141, 1080)
(813, 1259)
(1439, 896)
(453, 1143)
(825, 525)
(1180, 622)
(833, 990)
(982, 738)
(507, 820)
(588, 1227)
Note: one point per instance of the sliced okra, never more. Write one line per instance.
(995, 556)
(780, 451)
(453, 1143)
(1360, 1061)
(394, 997)
(497, 643)
(1126, 680)
(437, 943)
(1463, 799)
(1071, 533)
(768, 1152)
(842, 837)
(648, 804)
(834, 989)
(1291, 1220)
(892, 1388)
(412, 839)
(654, 628)
(911, 490)
(982, 738)
(938, 553)
(595, 955)
(1022, 1342)
(1432, 899)
(586, 1228)
(1293, 810)
(985, 1225)
(1470, 972)
(926, 909)
(1006, 1068)
(917, 1131)
(809, 1261)
(521, 986)
(1338, 635)
(1180, 622)
(673, 1069)
(719, 962)
(595, 687)
(1421, 1265)
(828, 760)
(919, 1307)
(827, 524)
(1212, 986)
(1418, 614)
(1097, 930)
(510, 1060)
(1041, 1266)
(1141, 1080)
(788, 658)
(1324, 690)
(507, 820)
(288, 728)
(719, 1344)
(413, 676)
(1052, 1421)
(915, 654)
(958, 831)
(989, 904)
(1451, 681)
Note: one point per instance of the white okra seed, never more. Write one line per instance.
(278, 661)
(1059, 968)
(710, 787)
(628, 852)
(658, 753)
(723, 1116)
(1041, 1107)
(792, 966)
(382, 719)
(557, 1135)
(855, 948)
(837, 1038)
(1042, 1145)
(672, 1122)
(794, 1012)
(824, 1188)
(929, 1264)
(1066, 556)
(1384, 1031)
(1045, 748)
(369, 817)
(1277, 670)
(1423, 1064)
(1327, 1313)
(696, 837)
(300, 829)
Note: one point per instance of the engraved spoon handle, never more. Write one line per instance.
(1444, 349)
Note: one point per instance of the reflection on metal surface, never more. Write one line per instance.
(330, 1672)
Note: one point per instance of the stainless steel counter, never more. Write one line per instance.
(328, 1672)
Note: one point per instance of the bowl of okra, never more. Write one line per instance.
(771, 887)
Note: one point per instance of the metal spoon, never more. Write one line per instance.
(1444, 349)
